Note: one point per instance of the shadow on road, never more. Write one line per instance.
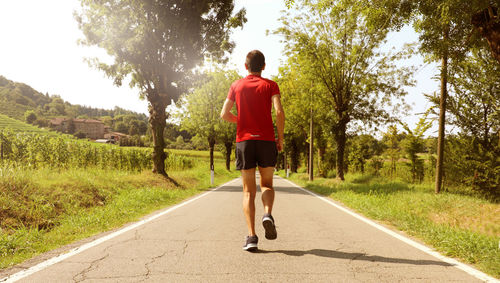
(355, 256)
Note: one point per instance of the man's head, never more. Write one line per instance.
(255, 62)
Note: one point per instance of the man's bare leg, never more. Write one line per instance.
(249, 190)
(266, 187)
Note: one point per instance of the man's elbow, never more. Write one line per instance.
(280, 114)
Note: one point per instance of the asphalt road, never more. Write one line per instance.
(203, 239)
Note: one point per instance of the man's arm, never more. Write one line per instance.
(280, 120)
(226, 114)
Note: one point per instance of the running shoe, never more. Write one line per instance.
(268, 223)
(251, 243)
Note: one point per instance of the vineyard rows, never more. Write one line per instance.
(33, 150)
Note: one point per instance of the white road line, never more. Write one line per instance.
(24, 273)
(472, 271)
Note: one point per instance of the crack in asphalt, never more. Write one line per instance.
(153, 260)
(94, 264)
(184, 248)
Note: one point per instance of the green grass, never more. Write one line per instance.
(456, 224)
(45, 209)
(21, 127)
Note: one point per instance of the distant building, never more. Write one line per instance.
(93, 129)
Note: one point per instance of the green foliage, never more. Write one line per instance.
(30, 116)
(199, 143)
(362, 148)
(475, 107)
(121, 127)
(337, 48)
(42, 151)
(203, 107)
(204, 104)
(154, 44)
(80, 135)
(376, 163)
(469, 163)
(131, 141)
(44, 209)
(20, 127)
(179, 143)
(413, 144)
(392, 140)
(432, 19)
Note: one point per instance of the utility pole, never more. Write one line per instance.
(311, 144)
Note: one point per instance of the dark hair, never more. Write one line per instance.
(255, 61)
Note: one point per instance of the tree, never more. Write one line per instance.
(71, 128)
(156, 44)
(226, 136)
(363, 147)
(475, 111)
(392, 140)
(202, 108)
(488, 23)
(299, 95)
(413, 144)
(56, 106)
(475, 105)
(339, 46)
(30, 116)
(121, 127)
(445, 37)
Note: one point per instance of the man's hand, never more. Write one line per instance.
(279, 144)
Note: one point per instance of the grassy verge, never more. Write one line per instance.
(48, 208)
(456, 224)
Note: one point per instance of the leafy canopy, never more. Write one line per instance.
(158, 42)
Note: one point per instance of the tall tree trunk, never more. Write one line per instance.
(340, 139)
(442, 112)
(321, 159)
(211, 145)
(229, 147)
(157, 120)
(294, 158)
(306, 157)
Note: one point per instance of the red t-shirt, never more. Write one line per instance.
(252, 95)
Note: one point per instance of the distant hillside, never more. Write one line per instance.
(18, 126)
(18, 98)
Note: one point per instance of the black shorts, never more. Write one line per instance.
(253, 153)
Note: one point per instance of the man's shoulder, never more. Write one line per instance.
(269, 81)
(236, 82)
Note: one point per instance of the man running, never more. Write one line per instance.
(255, 141)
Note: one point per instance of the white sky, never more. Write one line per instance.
(39, 47)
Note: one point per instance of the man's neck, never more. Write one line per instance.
(255, 73)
